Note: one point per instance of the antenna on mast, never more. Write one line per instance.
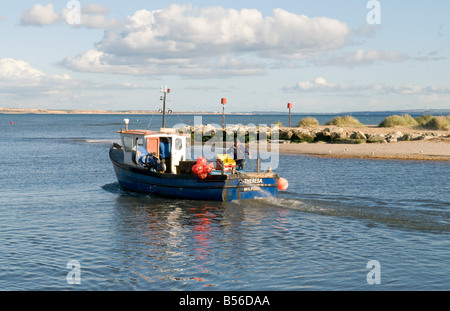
(164, 90)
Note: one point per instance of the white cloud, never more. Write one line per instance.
(95, 9)
(212, 41)
(92, 16)
(99, 62)
(183, 30)
(318, 84)
(40, 15)
(362, 57)
(430, 56)
(435, 101)
(322, 85)
(18, 74)
(18, 77)
(97, 21)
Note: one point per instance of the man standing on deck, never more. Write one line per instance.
(164, 153)
(239, 150)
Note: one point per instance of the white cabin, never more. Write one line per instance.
(135, 140)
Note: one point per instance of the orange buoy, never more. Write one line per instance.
(12, 123)
(207, 169)
(203, 175)
(282, 184)
(197, 169)
(201, 161)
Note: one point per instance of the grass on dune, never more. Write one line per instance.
(424, 122)
(344, 121)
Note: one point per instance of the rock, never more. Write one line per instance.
(337, 133)
(413, 136)
(376, 138)
(349, 141)
(285, 134)
(418, 136)
(303, 135)
(208, 129)
(321, 135)
(198, 130)
(358, 135)
(394, 137)
(264, 132)
(405, 137)
(327, 132)
(185, 129)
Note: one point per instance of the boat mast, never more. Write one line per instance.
(164, 90)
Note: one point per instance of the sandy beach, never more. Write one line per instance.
(434, 145)
(432, 150)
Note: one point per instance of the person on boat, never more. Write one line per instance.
(164, 153)
(238, 151)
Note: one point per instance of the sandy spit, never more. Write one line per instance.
(437, 150)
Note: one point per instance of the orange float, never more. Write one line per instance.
(283, 184)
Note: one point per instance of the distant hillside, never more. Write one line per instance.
(413, 112)
(68, 111)
(363, 113)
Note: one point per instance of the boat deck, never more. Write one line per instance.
(116, 155)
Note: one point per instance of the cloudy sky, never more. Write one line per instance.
(322, 56)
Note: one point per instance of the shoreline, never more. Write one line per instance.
(109, 112)
(438, 150)
(20, 111)
(395, 143)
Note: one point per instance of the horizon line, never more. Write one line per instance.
(4, 110)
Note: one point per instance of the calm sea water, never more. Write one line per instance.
(59, 201)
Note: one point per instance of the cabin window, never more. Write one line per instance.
(140, 141)
(127, 143)
(178, 144)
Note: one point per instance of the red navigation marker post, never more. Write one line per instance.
(289, 105)
(223, 102)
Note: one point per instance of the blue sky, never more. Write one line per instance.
(322, 56)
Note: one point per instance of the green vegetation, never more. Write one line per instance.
(395, 120)
(438, 123)
(425, 122)
(308, 121)
(279, 124)
(344, 121)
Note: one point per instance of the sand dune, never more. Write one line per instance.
(436, 150)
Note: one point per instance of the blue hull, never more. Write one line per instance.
(214, 188)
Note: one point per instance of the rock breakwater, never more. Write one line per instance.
(328, 134)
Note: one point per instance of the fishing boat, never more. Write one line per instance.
(156, 163)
